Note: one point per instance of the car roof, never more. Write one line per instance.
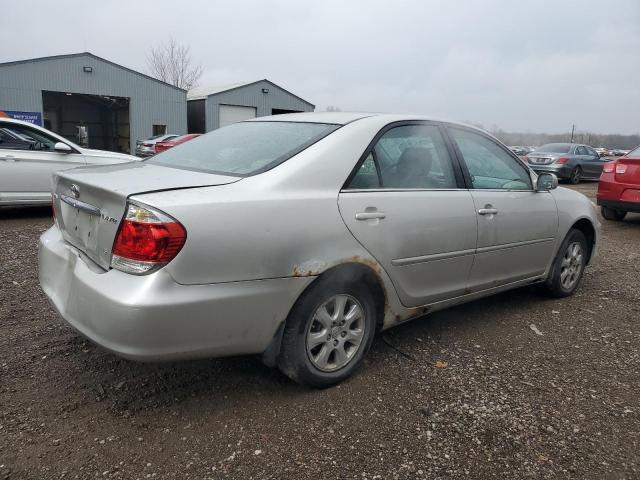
(17, 122)
(342, 118)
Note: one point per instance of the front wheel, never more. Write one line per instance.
(568, 266)
(576, 176)
(613, 214)
(327, 333)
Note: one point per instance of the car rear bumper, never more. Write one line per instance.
(619, 205)
(154, 318)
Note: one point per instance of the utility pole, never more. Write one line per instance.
(573, 127)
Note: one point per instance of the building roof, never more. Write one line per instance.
(89, 54)
(202, 93)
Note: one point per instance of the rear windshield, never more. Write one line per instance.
(554, 148)
(245, 148)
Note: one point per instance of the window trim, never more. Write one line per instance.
(504, 148)
(455, 164)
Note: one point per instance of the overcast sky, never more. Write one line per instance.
(537, 65)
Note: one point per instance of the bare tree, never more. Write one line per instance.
(172, 63)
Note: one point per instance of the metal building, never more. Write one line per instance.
(91, 101)
(214, 107)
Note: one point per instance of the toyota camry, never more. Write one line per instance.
(299, 237)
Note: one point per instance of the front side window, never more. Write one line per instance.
(408, 156)
(18, 137)
(244, 148)
(489, 166)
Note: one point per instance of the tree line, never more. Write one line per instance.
(610, 141)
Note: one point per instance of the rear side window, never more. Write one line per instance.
(407, 157)
(245, 148)
(489, 166)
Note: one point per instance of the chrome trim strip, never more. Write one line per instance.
(503, 246)
(85, 207)
(399, 262)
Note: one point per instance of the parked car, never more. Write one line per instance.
(167, 144)
(618, 152)
(300, 236)
(29, 154)
(603, 152)
(520, 151)
(146, 148)
(569, 161)
(619, 186)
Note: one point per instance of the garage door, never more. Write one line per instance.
(229, 114)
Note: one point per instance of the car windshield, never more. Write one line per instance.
(554, 148)
(245, 148)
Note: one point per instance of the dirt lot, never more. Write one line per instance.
(509, 403)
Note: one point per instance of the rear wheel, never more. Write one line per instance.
(613, 213)
(568, 266)
(327, 333)
(576, 175)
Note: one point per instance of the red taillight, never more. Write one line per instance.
(621, 168)
(146, 241)
(147, 144)
(609, 167)
(53, 207)
(562, 160)
(526, 158)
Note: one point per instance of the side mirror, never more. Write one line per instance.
(62, 147)
(546, 182)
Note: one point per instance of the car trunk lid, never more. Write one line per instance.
(629, 170)
(89, 202)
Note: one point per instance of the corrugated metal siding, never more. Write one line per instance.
(151, 102)
(252, 96)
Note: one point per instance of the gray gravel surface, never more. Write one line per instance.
(479, 394)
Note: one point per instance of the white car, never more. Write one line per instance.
(30, 154)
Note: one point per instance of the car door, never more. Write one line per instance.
(517, 226)
(27, 162)
(594, 162)
(407, 205)
(582, 160)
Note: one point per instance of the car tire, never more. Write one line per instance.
(318, 346)
(568, 266)
(613, 214)
(575, 176)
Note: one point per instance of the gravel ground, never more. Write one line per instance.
(477, 394)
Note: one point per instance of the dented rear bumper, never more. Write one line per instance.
(154, 318)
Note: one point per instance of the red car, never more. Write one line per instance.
(619, 187)
(162, 146)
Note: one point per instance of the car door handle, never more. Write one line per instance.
(370, 215)
(487, 211)
(8, 158)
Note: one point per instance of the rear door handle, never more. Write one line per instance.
(370, 215)
(487, 211)
(8, 158)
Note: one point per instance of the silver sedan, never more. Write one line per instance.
(299, 237)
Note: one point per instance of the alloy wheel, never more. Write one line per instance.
(335, 333)
(571, 266)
